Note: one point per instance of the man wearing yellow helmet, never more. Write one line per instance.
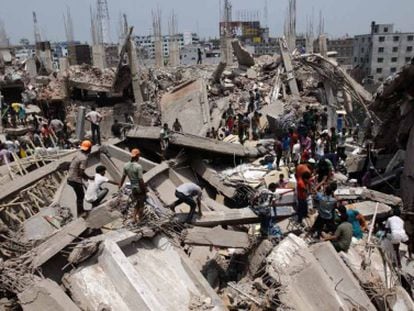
(77, 174)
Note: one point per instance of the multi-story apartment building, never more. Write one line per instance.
(382, 52)
(184, 39)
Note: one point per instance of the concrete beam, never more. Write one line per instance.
(216, 236)
(347, 286)
(244, 58)
(193, 142)
(57, 242)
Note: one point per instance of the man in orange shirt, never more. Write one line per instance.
(302, 190)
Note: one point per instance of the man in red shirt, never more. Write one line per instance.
(302, 190)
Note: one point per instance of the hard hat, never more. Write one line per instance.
(135, 152)
(86, 145)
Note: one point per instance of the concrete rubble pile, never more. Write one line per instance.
(51, 258)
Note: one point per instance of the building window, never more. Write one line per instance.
(385, 29)
(395, 49)
(408, 59)
(409, 48)
(410, 38)
(393, 59)
(393, 69)
(380, 60)
(362, 50)
(396, 38)
(355, 59)
(381, 39)
(380, 50)
(363, 39)
(379, 70)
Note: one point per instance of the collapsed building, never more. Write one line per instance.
(51, 259)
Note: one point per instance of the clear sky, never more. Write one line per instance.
(341, 16)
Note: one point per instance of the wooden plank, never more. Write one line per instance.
(217, 236)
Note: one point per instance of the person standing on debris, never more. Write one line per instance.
(77, 173)
(341, 144)
(396, 233)
(326, 204)
(185, 193)
(302, 190)
(320, 147)
(278, 148)
(199, 56)
(324, 118)
(296, 154)
(177, 126)
(116, 129)
(133, 170)
(95, 193)
(286, 149)
(95, 118)
(164, 139)
(256, 125)
(342, 238)
(257, 99)
(251, 106)
(333, 140)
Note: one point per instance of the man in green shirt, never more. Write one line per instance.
(342, 238)
(133, 170)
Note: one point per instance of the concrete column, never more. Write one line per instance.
(133, 63)
(98, 56)
(80, 123)
(31, 67)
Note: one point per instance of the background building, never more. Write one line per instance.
(382, 52)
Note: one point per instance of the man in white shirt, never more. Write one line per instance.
(185, 193)
(95, 192)
(95, 118)
(396, 233)
(296, 153)
(320, 147)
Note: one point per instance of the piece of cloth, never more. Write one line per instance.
(94, 186)
(356, 226)
(78, 164)
(343, 236)
(94, 117)
(396, 226)
(325, 205)
(189, 189)
(80, 194)
(134, 172)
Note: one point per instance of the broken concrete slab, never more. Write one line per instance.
(367, 208)
(193, 142)
(293, 266)
(216, 236)
(132, 277)
(57, 242)
(188, 103)
(46, 295)
(258, 257)
(244, 58)
(353, 193)
(347, 286)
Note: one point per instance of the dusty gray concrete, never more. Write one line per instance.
(46, 295)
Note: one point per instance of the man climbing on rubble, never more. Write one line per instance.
(77, 174)
(326, 204)
(95, 193)
(396, 233)
(342, 238)
(133, 170)
(185, 193)
(95, 118)
(264, 205)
